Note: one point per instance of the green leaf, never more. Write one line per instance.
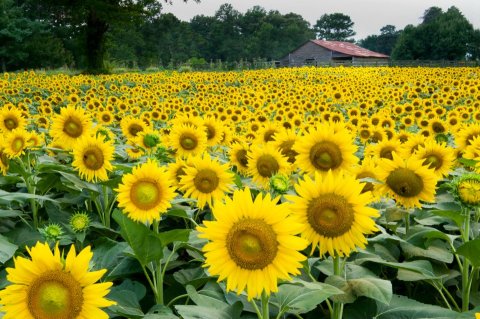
(204, 300)
(7, 249)
(20, 197)
(471, 251)
(170, 236)
(146, 245)
(301, 297)
(454, 215)
(127, 297)
(201, 312)
(160, 312)
(371, 287)
(10, 213)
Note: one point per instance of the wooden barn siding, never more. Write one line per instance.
(309, 50)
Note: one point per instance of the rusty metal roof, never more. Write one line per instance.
(349, 48)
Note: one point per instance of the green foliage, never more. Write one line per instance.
(441, 36)
(335, 26)
(384, 42)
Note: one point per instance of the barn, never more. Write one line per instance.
(322, 52)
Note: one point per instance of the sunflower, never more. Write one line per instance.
(408, 181)
(145, 193)
(334, 213)
(206, 180)
(92, 158)
(52, 287)
(325, 148)
(285, 140)
(383, 149)
(131, 126)
(264, 161)
(133, 151)
(4, 161)
(267, 132)
(238, 156)
(439, 157)
(252, 243)
(187, 140)
(70, 125)
(214, 130)
(16, 142)
(413, 144)
(176, 170)
(368, 169)
(464, 136)
(472, 151)
(11, 118)
(148, 140)
(105, 117)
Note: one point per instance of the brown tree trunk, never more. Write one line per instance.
(96, 30)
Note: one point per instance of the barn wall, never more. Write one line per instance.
(307, 51)
(373, 61)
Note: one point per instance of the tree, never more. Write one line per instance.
(441, 36)
(335, 26)
(95, 18)
(384, 42)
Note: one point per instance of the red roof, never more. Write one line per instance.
(349, 48)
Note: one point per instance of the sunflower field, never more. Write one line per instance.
(284, 193)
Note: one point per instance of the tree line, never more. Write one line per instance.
(90, 34)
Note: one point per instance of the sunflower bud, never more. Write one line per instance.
(467, 189)
(151, 140)
(279, 183)
(79, 222)
(52, 232)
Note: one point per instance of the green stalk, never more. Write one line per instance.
(31, 189)
(265, 310)
(338, 271)
(106, 211)
(159, 283)
(254, 304)
(466, 266)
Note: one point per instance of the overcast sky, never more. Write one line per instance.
(368, 15)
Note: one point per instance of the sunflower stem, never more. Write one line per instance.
(337, 271)
(407, 223)
(265, 310)
(27, 177)
(466, 264)
(254, 304)
(159, 282)
(106, 211)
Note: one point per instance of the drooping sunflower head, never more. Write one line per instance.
(187, 140)
(176, 170)
(264, 161)
(367, 170)
(70, 125)
(324, 149)
(4, 160)
(206, 180)
(407, 181)
(252, 243)
(465, 135)
(145, 193)
(466, 189)
(48, 286)
(334, 212)
(92, 157)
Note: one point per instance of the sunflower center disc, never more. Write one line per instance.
(241, 156)
(17, 144)
(210, 132)
(433, 161)
(252, 244)
(145, 194)
(55, 294)
(10, 124)
(325, 156)
(179, 173)
(188, 142)
(368, 186)
(405, 182)
(286, 149)
(386, 152)
(93, 159)
(267, 165)
(133, 129)
(73, 127)
(206, 181)
(106, 117)
(330, 215)
(268, 135)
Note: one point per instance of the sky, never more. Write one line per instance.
(368, 15)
